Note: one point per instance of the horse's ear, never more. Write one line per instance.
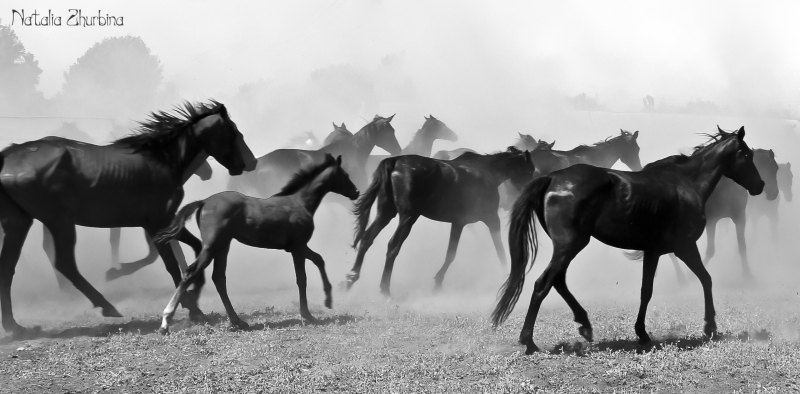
(740, 133)
(772, 153)
(426, 118)
(553, 143)
(788, 165)
(389, 119)
(719, 129)
(339, 161)
(334, 125)
(636, 134)
(343, 126)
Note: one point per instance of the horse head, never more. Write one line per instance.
(785, 180)
(628, 149)
(438, 130)
(338, 179)
(221, 139)
(740, 167)
(768, 170)
(382, 134)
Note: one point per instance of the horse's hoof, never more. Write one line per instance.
(308, 319)
(531, 348)
(239, 325)
(586, 333)
(197, 316)
(329, 303)
(110, 311)
(710, 330)
(163, 330)
(644, 339)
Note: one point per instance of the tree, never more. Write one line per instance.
(118, 77)
(19, 75)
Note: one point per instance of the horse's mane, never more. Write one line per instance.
(304, 176)
(162, 127)
(679, 159)
(472, 157)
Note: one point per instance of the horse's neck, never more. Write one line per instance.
(312, 193)
(604, 154)
(186, 150)
(194, 165)
(705, 171)
(362, 145)
(421, 144)
(492, 171)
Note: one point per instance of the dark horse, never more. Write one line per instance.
(134, 182)
(422, 143)
(283, 221)
(524, 142)
(658, 210)
(277, 167)
(761, 206)
(459, 192)
(729, 200)
(623, 147)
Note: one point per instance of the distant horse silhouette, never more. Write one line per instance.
(276, 168)
(459, 191)
(729, 200)
(759, 206)
(657, 210)
(623, 147)
(339, 133)
(283, 221)
(523, 142)
(134, 182)
(422, 144)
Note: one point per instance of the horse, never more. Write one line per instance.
(656, 211)
(459, 192)
(729, 200)
(758, 207)
(283, 221)
(422, 143)
(523, 142)
(276, 168)
(135, 181)
(339, 133)
(623, 147)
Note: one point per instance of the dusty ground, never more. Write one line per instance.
(414, 345)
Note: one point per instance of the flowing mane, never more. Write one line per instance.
(304, 176)
(679, 159)
(162, 127)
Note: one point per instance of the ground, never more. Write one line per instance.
(369, 344)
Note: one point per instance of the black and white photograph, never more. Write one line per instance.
(392, 196)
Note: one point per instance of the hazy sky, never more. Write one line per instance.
(730, 52)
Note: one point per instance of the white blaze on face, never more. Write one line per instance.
(176, 250)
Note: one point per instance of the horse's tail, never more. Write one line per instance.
(521, 238)
(171, 231)
(381, 181)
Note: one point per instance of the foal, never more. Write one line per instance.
(283, 221)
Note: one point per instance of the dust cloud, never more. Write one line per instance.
(573, 72)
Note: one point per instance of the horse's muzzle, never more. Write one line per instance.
(354, 195)
(757, 190)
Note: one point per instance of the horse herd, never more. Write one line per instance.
(137, 181)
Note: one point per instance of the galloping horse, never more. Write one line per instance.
(658, 210)
(459, 192)
(729, 200)
(422, 144)
(135, 181)
(277, 167)
(283, 221)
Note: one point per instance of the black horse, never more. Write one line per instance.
(459, 192)
(134, 182)
(729, 200)
(658, 210)
(277, 167)
(284, 221)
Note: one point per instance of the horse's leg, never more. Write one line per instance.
(741, 222)
(64, 237)
(218, 276)
(691, 257)
(452, 246)
(171, 264)
(299, 259)
(129, 268)
(195, 272)
(400, 235)
(114, 236)
(711, 235)
(326, 284)
(563, 253)
(188, 238)
(678, 272)
(493, 224)
(581, 317)
(386, 212)
(649, 266)
(16, 224)
(50, 251)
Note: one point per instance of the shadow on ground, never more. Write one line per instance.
(582, 348)
(149, 326)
